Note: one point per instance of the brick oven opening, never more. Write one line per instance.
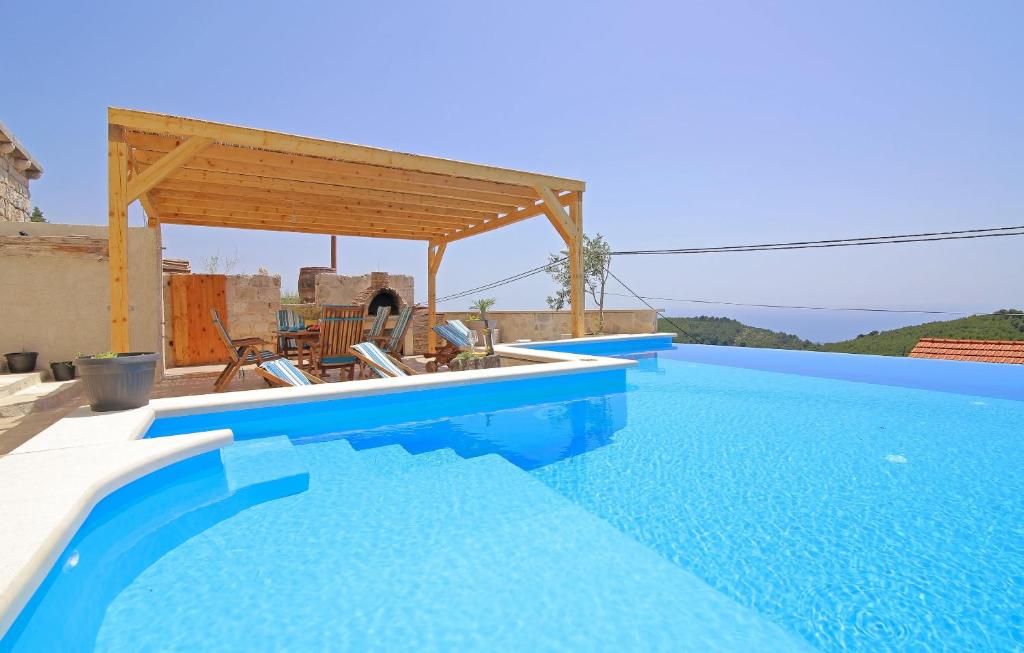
(384, 297)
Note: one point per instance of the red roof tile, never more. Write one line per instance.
(982, 351)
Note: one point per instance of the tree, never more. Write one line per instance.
(37, 215)
(597, 262)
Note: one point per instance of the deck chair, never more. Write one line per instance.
(456, 337)
(376, 332)
(393, 345)
(288, 320)
(340, 328)
(281, 372)
(380, 361)
(241, 351)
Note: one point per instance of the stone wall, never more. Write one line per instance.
(542, 325)
(56, 299)
(253, 302)
(15, 203)
(347, 289)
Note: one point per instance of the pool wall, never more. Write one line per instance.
(51, 483)
(998, 380)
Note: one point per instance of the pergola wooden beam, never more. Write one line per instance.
(305, 146)
(167, 164)
(195, 172)
(272, 164)
(270, 225)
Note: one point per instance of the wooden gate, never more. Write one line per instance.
(194, 337)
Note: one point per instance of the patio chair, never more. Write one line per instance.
(281, 372)
(393, 346)
(340, 328)
(376, 332)
(456, 337)
(241, 351)
(288, 320)
(380, 361)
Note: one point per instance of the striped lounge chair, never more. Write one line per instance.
(241, 351)
(376, 332)
(455, 333)
(282, 372)
(456, 337)
(380, 361)
(395, 339)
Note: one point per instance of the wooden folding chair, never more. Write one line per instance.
(340, 328)
(243, 351)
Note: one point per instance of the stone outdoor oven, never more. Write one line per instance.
(371, 290)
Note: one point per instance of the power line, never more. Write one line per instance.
(991, 232)
(502, 282)
(679, 329)
(814, 308)
(963, 234)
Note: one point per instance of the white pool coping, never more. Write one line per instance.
(49, 485)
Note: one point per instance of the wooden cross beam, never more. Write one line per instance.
(167, 164)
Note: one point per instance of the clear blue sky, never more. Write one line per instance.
(692, 123)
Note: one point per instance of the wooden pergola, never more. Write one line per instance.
(194, 172)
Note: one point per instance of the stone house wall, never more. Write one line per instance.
(542, 325)
(253, 302)
(15, 202)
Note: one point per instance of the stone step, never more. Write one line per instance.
(11, 383)
(38, 397)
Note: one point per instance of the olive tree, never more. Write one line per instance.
(597, 261)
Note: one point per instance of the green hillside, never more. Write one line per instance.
(1007, 324)
(899, 342)
(726, 331)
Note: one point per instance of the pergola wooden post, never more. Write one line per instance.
(195, 172)
(435, 252)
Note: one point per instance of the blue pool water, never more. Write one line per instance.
(682, 506)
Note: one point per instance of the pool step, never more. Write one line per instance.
(461, 553)
(394, 459)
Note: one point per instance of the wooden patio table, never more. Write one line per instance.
(302, 338)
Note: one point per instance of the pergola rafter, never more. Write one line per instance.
(195, 172)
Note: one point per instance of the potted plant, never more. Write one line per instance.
(117, 381)
(21, 361)
(63, 370)
(480, 308)
(467, 360)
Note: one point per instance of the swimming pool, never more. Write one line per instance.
(674, 505)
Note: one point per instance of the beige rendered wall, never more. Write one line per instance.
(58, 303)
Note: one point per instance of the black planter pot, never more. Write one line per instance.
(119, 383)
(22, 361)
(63, 371)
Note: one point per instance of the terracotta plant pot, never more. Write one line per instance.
(120, 382)
(21, 361)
